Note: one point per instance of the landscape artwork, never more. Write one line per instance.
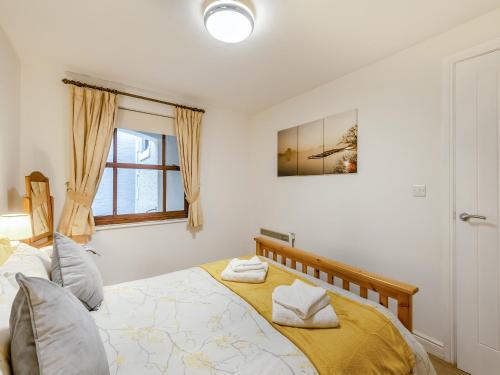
(287, 152)
(326, 146)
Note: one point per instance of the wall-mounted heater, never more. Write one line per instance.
(287, 237)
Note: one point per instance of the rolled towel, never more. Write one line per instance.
(242, 265)
(301, 298)
(251, 276)
(324, 318)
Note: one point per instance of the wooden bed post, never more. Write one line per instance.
(405, 310)
(258, 248)
(385, 287)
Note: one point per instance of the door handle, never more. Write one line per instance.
(464, 216)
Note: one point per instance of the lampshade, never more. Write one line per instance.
(16, 226)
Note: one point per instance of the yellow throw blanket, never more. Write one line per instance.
(365, 343)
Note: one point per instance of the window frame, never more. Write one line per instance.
(115, 218)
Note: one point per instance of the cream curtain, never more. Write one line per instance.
(188, 129)
(93, 119)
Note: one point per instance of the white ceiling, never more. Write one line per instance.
(162, 45)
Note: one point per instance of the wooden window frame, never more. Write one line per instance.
(137, 218)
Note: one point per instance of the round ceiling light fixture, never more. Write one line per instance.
(229, 21)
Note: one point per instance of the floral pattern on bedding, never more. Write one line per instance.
(187, 323)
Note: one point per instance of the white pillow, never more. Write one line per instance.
(32, 263)
(47, 250)
(7, 295)
(29, 261)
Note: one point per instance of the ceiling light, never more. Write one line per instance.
(229, 21)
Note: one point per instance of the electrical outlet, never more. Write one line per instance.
(419, 190)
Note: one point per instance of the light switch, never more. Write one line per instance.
(419, 190)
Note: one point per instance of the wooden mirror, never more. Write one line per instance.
(39, 204)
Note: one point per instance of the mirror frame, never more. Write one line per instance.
(42, 239)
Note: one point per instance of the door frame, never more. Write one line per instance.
(449, 204)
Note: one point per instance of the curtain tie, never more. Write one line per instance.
(194, 198)
(83, 199)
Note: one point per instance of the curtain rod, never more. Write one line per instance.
(81, 84)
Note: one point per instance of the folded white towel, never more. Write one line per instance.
(251, 276)
(324, 318)
(301, 298)
(242, 265)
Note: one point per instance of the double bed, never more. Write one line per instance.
(191, 322)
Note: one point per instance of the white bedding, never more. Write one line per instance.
(188, 323)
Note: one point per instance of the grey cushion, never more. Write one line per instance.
(74, 269)
(52, 333)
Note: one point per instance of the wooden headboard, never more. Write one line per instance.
(385, 287)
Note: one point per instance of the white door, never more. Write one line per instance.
(477, 149)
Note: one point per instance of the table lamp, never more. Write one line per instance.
(16, 227)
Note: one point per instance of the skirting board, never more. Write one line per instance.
(431, 345)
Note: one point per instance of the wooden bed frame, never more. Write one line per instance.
(385, 287)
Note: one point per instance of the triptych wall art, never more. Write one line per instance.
(326, 146)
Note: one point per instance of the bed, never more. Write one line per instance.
(189, 322)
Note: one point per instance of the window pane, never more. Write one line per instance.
(110, 153)
(175, 191)
(103, 201)
(139, 147)
(172, 154)
(139, 191)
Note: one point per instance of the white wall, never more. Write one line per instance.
(225, 180)
(370, 219)
(9, 125)
(144, 251)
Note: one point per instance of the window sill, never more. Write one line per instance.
(139, 224)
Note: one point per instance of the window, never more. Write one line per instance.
(141, 181)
